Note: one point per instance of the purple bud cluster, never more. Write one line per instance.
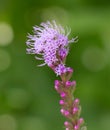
(70, 107)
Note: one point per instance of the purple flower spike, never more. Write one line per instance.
(50, 44)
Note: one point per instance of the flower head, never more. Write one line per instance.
(50, 42)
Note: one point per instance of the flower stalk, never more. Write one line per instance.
(50, 43)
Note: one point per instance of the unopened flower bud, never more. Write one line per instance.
(69, 83)
(69, 70)
(66, 123)
(67, 129)
(66, 113)
(75, 110)
(63, 53)
(63, 94)
(57, 86)
(62, 111)
(61, 102)
(76, 127)
(57, 83)
(80, 121)
(76, 101)
(73, 83)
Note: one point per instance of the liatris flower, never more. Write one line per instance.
(50, 43)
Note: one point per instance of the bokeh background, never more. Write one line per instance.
(28, 100)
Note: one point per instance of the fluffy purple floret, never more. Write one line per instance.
(61, 69)
(50, 42)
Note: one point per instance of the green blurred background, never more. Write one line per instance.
(28, 100)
